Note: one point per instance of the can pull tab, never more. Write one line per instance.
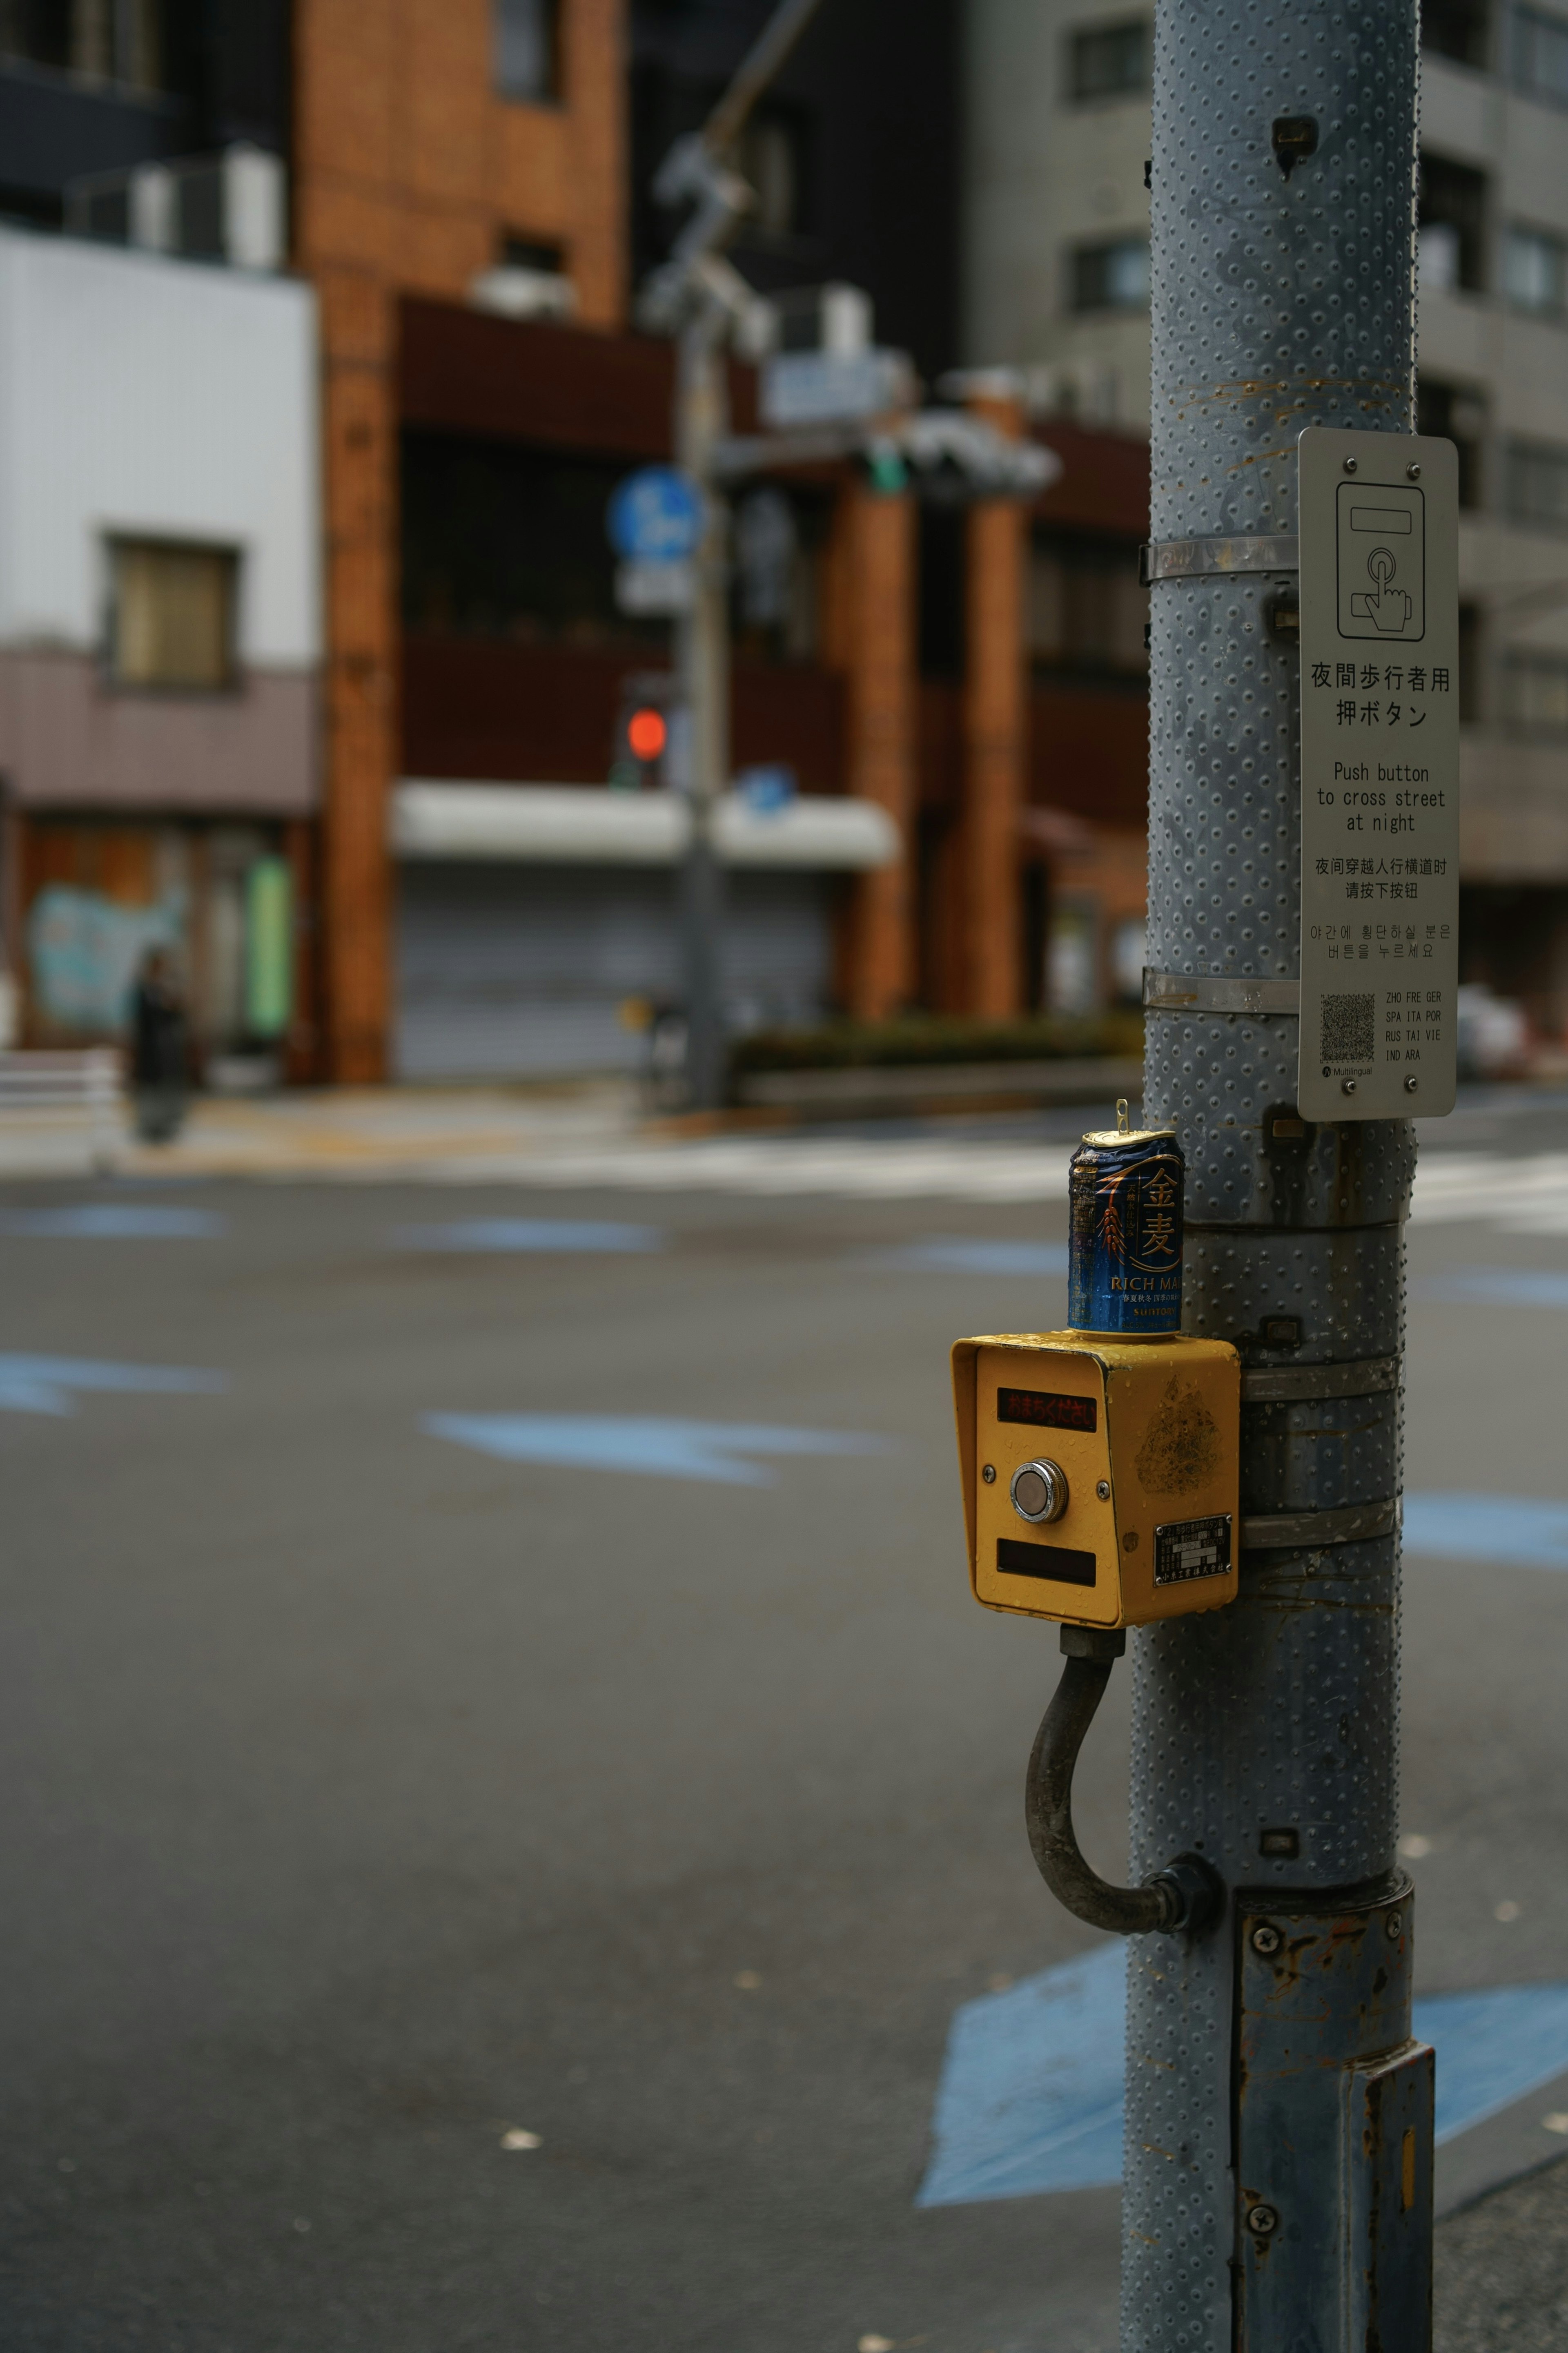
(1123, 1123)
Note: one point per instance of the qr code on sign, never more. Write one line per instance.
(1349, 1028)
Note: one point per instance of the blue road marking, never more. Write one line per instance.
(1520, 1530)
(545, 1234)
(116, 1221)
(48, 1384)
(1030, 2097)
(955, 1254)
(1499, 1286)
(1493, 2046)
(649, 1444)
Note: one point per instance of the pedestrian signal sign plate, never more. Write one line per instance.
(1380, 774)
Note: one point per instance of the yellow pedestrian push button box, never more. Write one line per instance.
(1100, 1474)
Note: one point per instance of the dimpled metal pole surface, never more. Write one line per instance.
(1277, 302)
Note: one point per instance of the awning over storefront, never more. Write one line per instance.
(573, 824)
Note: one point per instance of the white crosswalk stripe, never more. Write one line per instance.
(897, 1168)
(1515, 1197)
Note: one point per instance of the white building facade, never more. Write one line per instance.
(1057, 278)
(160, 633)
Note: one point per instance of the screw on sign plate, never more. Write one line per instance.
(1262, 2221)
(1266, 1940)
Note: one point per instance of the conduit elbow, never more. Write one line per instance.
(1184, 1898)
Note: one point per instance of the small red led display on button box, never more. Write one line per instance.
(1045, 1409)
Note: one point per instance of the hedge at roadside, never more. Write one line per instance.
(934, 1038)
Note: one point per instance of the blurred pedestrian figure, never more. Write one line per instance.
(158, 1071)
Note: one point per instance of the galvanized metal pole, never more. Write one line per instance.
(1258, 2196)
(703, 663)
(700, 294)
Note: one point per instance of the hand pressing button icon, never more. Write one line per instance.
(1390, 608)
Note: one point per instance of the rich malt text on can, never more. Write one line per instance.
(1124, 1265)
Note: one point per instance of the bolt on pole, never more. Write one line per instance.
(1278, 2125)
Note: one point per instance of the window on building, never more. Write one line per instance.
(526, 49)
(1535, 484)
(1460, 29)
(505, 542)
(1087, 606)
(1539, 59)
(1109, 60)
(108, 40)
(532, 253)
(1451, 205)
(1460, 416)
(1111, 276)
(1535, 270)
(171, 615)
(779, 540)
(1535, 693)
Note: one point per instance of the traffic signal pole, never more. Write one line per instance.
(701, 294)
(1279, 2116)
(703, 663)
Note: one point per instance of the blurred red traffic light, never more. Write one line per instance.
(647, 734)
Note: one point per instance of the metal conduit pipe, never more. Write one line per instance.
(1186, 1895)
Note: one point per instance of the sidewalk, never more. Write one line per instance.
(360, 1132)
(583, 1133)
(592, 1133)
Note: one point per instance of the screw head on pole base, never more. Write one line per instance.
(1265, 1938)
(1262, 2221)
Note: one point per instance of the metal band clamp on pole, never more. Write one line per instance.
(1306, 1531)
(1204, 558)
(1300, 1384)
(1182, 992)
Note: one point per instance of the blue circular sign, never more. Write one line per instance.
(656, 516)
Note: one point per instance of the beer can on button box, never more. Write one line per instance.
(1124, 1263)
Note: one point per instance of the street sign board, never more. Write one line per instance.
(1380, 774)
(650, 588)
(655, 516)
(800, 388)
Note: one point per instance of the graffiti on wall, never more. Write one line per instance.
(84, 950)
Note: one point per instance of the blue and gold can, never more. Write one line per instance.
(1124, 1251)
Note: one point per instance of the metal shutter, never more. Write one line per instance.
(520, 971)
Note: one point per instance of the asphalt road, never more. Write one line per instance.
(371, 1798)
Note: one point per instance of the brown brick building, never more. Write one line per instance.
(1006, 741)
(412, 170)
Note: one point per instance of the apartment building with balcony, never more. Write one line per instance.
(1056, 267)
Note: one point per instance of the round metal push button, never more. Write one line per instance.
(1039, 1492)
